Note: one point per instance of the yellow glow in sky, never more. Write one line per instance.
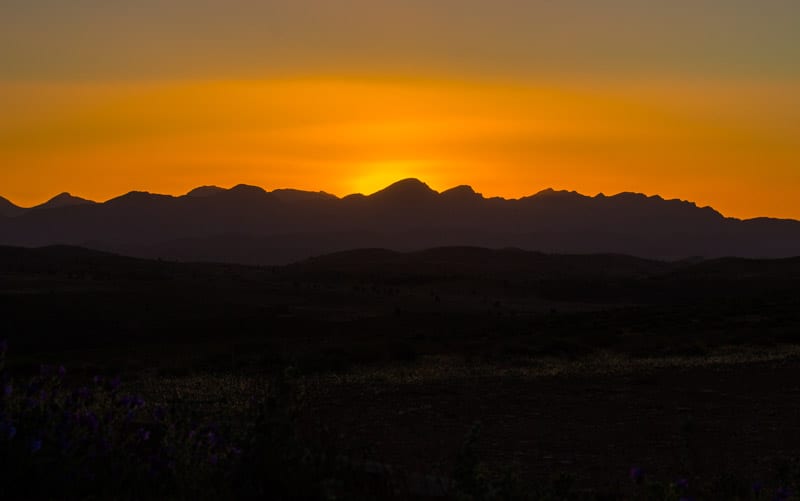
(734, 145)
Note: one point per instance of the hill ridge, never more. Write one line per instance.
(249, 224)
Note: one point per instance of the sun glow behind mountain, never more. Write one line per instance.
(376, 176)
(359, 134)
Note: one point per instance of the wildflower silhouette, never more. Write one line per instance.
(57, 437)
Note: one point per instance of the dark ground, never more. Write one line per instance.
(585, 365)
(739, 418)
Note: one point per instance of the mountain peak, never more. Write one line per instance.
(631, 195)
(205, 191)
(133, 198)
(406, 188)
(292, 195)
(63, 200)
(246, 189)
(551, 193)
(462, 192)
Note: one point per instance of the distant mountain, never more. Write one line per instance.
(405, 192)
(8, 209)
(289, 195)
(205, 191)
(249, 225)
(63, 200)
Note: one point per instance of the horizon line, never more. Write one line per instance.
(408, 179)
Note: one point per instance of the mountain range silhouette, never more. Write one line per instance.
(247, 224)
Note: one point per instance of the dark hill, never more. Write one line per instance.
(54, 253)
(247, 224)
(475, 262)
(738, 268)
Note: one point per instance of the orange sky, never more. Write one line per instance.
(692, 99)
(731, 144)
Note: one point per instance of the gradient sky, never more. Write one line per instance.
(692, 99)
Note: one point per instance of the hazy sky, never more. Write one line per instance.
(691, 99)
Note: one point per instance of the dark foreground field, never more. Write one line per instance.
(452, 372)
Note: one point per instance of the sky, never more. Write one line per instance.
(690, 99)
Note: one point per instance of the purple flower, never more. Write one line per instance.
(62, 371)
(636, 474)
(83, 393)
(8, 389)
(3, 346)
(36, 445)
(143, 435)
(682, 483)
(782, 494)
(97, 380)
(12, 432)
(757, 487)
(113, 385)
(213, 459)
